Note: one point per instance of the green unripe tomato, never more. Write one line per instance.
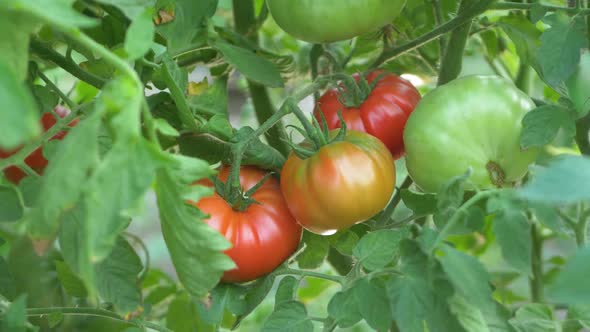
(473, 122)
(325, 21)
(578, 85)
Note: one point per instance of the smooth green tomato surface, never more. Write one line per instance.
(472, 122)
(578, 85)
(324, 21)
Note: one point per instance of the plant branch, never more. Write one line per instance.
(536, 281)
(452, 61)
(71, 67)
(55, 89)
(468, 15)
(304, 273)
(40, 312)
(529, 6)
(386, 215)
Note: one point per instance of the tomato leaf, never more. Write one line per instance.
(57, 12)
(16, 127)
(512, 230)
(212, 101)
(535, 317)
(570, 287)
(315, 251)
(377, 249)
(183, 316)
(196, 249)
(117, 277)
(54, 318)
(140, 35)
(559, 53)
(419, 296)
(564, 181)
(289, 316)
(525, 37)
(286, 290)
(15, 317)
(344, 241)
(187, 30)
(372, 303)
(470, 317)
(132, 8)
(254, 67)
(344, 309)
(7, 287)
(68, 170)
(11, 205)
(468, 276)
(541, 125)
(71, 283)
(421, 204)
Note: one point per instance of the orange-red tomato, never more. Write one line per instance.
(383, 113)
(263, 235)
(36, 160)
(343, 183)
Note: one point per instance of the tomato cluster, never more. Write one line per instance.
(36, 160)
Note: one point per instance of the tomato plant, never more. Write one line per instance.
(343, 183)
(36, 160)
(382, 113)
(263, 235)
(486, 112)
(333, 20)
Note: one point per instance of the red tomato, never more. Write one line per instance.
(383, 113)
(36, 160)
(263, 235)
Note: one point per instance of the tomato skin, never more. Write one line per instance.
(342, 184)
(36, 160)
(328, 21)
(578, 85)
(263, 236)
(469, 122)
(383, 114)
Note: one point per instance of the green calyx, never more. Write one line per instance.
(352, 94)
(239, 200)
(323, 134)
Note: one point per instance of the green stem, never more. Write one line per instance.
(40, 312)
(55, 89)
(459, 213)
(16, 158)
(304, 273)
(474, 11)
(184, 110)
(536, 281)
(438, 20)
(386, 215)
(71, 67)
(246, 24)
(452, 62)
(530, 6)
(582, 128)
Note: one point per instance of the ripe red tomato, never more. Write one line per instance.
(263, 235)
(343, 183)
(383, 113)
(36, 160)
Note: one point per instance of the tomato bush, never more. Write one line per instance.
(333, 20)
(383, 113)
(486, 112)
(263, 235)
(463, 210)
(36, 160)
(343, 183)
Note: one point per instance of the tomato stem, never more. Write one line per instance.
(305, 273)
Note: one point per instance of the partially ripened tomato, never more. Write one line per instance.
(383, 113)
(473, 122)
(324, 21)
(36, 160)
(263, 235)
(341, 184)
